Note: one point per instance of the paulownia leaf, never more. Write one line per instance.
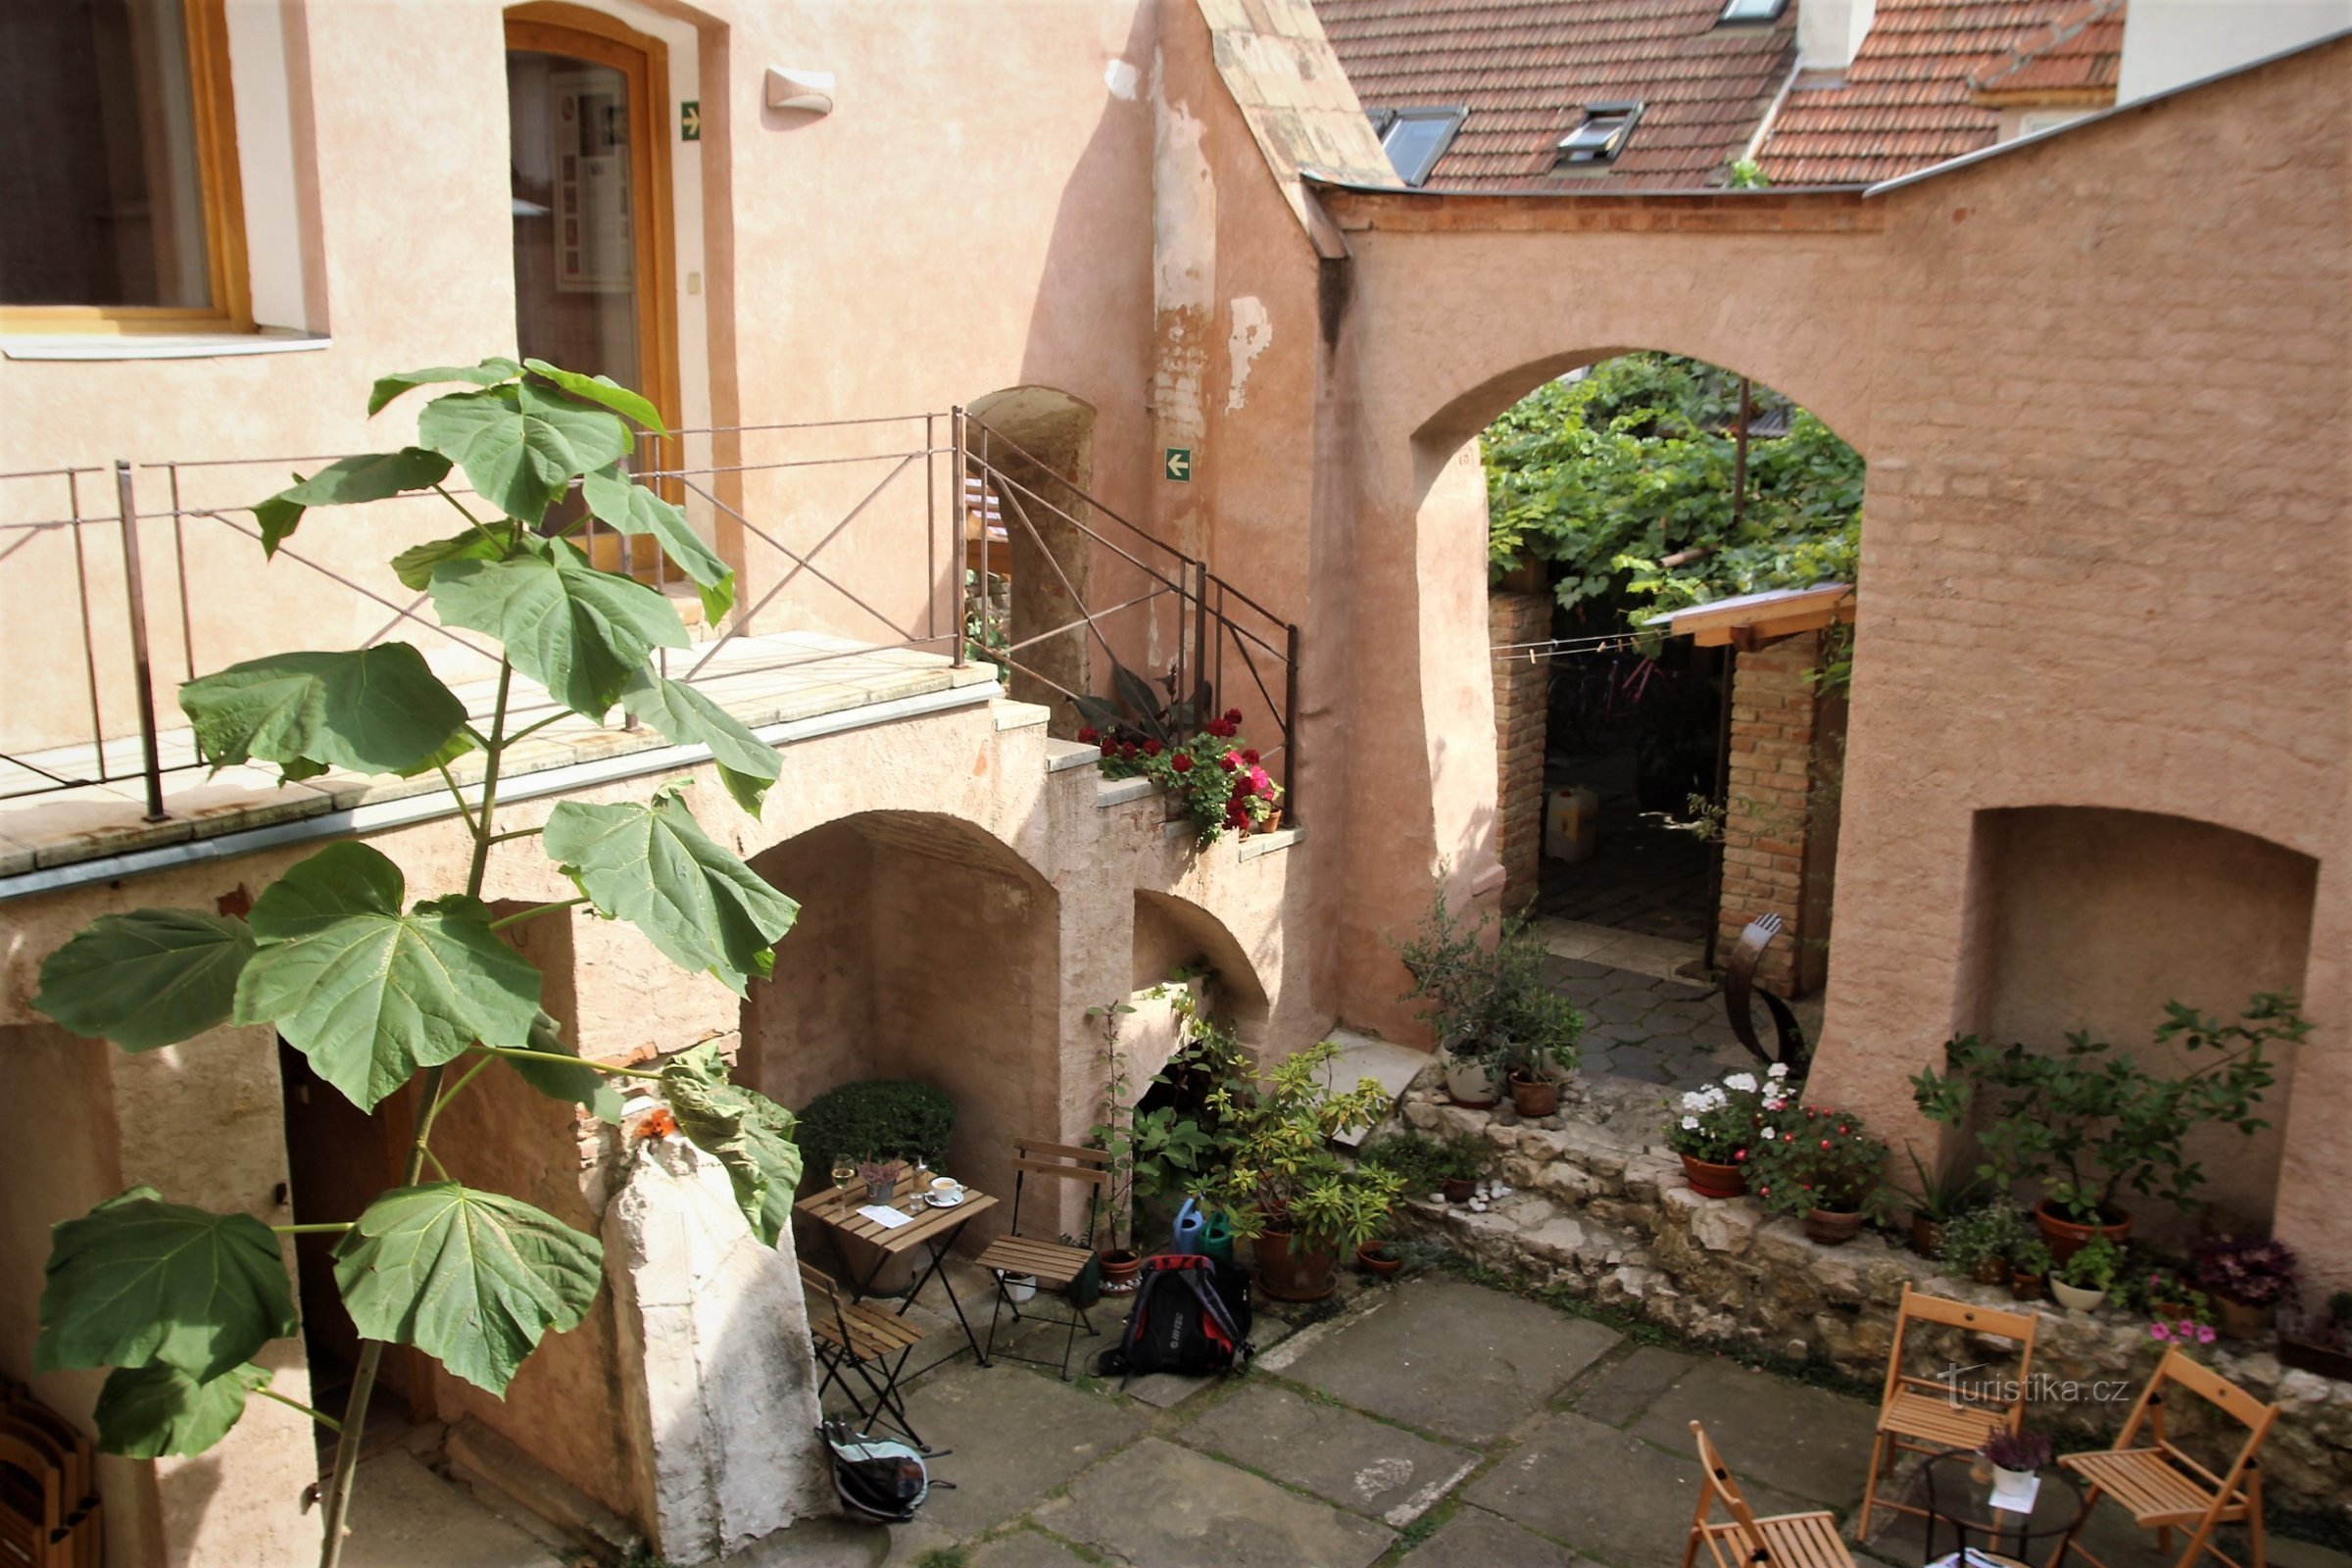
(579, 632)
(414, 566)
(470, 1278)
(747, 765)
(368, 994)
(371, 710)
(489, 372)
(148, 978)
(348, 481)
(749, 1134)
(582, 1085)
(602, 389)
(621, 503)
(519, 444)
(149, 1412)
(137, 1280)
(652, 866)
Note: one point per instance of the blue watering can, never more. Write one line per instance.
(1201, 1230)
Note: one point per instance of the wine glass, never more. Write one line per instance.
(845, 1171)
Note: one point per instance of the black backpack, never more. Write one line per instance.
(1191, 1314)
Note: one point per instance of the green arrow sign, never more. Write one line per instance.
(690, 120)
(1179, 464)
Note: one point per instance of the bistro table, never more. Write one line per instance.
(927, 1226)
(1954, 1489)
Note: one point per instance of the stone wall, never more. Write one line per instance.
(1592, 1203)
(1769, 810)
(1521, 688)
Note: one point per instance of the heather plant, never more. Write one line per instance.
(379, 985)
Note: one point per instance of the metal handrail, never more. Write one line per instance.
(1210, 615)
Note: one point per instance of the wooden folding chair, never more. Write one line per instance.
(28, 1419)
(852, 1337)
(1053, 1264)
(1743, 1541)
(32, 1507)
(2167, 1489)
(1928, 1415)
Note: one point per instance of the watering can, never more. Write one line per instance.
(1204, 1230)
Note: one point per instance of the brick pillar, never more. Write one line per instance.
(1771, 811)
(1520, 689)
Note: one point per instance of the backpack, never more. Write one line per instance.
(1191, 1314)
(877, 1479)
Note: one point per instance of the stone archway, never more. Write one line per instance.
(1041, 444)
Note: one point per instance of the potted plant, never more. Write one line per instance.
(2029, 1265)
(1379, 1257)
(1716, 1128)
(1490, 1008)
(2247, 1278)
(1205, 770)
(1942, 1196)
(2016, 1457)
(1976, 1243)
(1300, 1204)
(2092, 1121)
(1824, 1168)
(2083, 1281)
(2318, 1341)
(1425, 1164)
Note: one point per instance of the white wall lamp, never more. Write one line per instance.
(809, 90)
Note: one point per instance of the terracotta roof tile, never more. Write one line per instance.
(2078, 56)
(1526, 69)
(1907, 102)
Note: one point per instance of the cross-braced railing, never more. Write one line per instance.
(851, 539)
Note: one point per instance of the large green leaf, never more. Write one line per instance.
(747, 765)
(368, 994)
(414, 566)
(749, 1134)
(622, 503)
(348, 481)
(138, 1280)
(489, 372)
(371, 710)
(582, 1085)
(519, 444)
(579, 632)
(149, 1412)
(470, 1278)
(652, 866)
(147, 978)
(602, 389)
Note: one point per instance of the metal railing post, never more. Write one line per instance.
(1201, 639)
(1290, 724)
(961, 507)
(142, 668)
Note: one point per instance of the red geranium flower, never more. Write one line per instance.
(1152, 748)
(1089, 735)
(1233, 717)
(1251, 757)
(1128, 750)
(1182, 761)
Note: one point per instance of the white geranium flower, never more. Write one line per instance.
(1779, 1069)
(1769, 1133)
(1746, 1083)
(1691, 1123)
(1694, 1101)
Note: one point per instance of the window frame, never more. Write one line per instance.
(1450, 116)
(221, 193)
(1627, 111)
(1725, 19)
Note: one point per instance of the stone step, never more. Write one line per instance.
(491, 1464)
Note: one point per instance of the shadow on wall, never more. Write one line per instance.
(1174, 935)
(928, 951)
(2086, 917)
(1040, 443)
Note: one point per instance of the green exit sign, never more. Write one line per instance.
(1178, 464)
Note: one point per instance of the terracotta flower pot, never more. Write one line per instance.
(1990, 1271)
(1378, 1257)
(1289, 1276)
(1710, 1180)
(2023, 1287)
(1469, 1082)
(1831, 1228)
(1927, 1235)
(1457, 1189)
(1534, 1097)
(2065, 1237)
(2242, 1320)
(1121, 1270)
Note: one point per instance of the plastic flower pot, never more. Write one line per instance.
(1831, 1228)
(1470, 1083)
(1710, 1180)
(2075, 1298)
(1019, 1287)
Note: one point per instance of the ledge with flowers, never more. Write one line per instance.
(1213, 778)
(1596, 1203)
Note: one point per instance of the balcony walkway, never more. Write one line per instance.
(794, 683)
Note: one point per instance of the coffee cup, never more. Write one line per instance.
(946, 1190)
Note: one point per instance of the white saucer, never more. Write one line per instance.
(936, 1202)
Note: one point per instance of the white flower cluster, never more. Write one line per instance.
(1705, 1098)
(1744, 1081)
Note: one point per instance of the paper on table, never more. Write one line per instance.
(2015, 1498)
(1970, 1558)
(890, 1219)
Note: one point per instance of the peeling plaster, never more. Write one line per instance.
(1184, 270)
(1252, 330)
(1121, 77)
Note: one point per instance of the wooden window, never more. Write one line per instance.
(119, 168)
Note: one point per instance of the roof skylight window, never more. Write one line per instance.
(1415, 138)
(1601, 137)
(1735, 12)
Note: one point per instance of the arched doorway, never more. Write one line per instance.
(927, 951)
(1024, 547)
